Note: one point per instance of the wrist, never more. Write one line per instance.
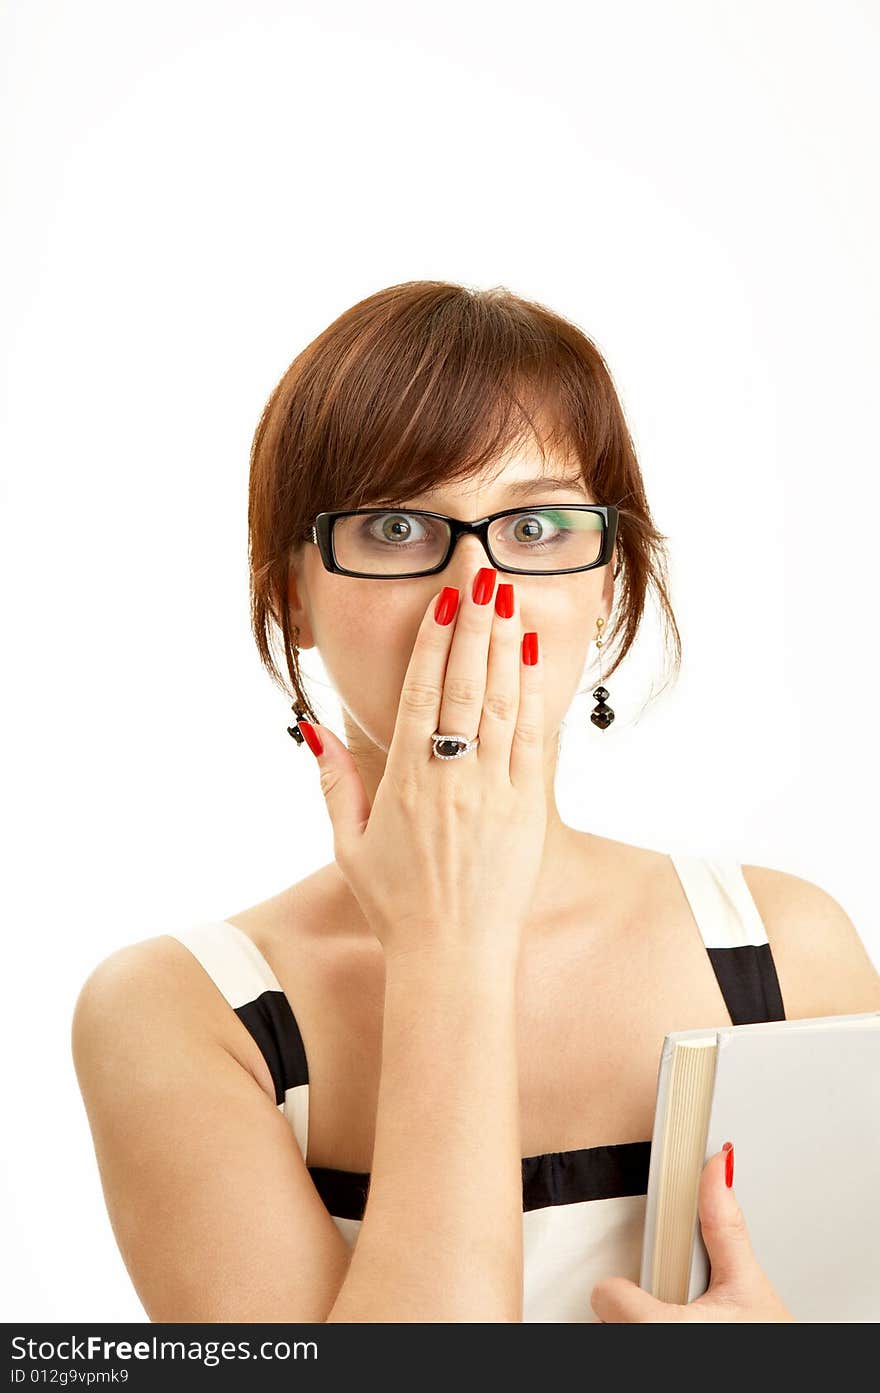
(474, 962)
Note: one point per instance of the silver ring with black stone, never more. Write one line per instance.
(453, 746)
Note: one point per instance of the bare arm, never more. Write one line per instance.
(211, 1203)
(441, 1237)
(212, 1207)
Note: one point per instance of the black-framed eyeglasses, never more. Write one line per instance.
(400, 543)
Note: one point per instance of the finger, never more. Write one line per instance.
(723, 1224)
(501, 697)
(527, 747)
(617, 1301)
(348, 804)
(422, 690)
(464, 686)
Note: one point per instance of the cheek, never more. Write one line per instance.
(365, 646)
(566, 626)
(567, 617)
(365, 636)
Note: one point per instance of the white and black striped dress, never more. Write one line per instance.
(583, 1210)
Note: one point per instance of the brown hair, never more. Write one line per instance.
(428, 382)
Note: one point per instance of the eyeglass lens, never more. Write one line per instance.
(397, 543)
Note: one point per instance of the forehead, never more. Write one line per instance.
(542, 449)
(515, 478)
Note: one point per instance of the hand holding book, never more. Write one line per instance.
(739, 1290)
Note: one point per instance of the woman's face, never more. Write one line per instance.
(365, 629)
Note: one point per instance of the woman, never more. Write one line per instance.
(461, 1015)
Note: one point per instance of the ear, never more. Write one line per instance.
(294, 600)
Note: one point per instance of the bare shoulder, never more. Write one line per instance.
(823, 966)
(132, 976)
(147, 1000)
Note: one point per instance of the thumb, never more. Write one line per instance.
(341, 784)
(722, 1222)
(617, 1300)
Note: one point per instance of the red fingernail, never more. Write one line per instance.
(484, 584)
(313, 739)
(447, 602)
(504, 601)
(728, 1163)
(530, 649)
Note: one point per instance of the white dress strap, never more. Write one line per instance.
(722, 903)
(247, 981)
(734, 936)
(232, 959)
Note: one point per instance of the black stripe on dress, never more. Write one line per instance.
(273, 1025)
(344, 1192)
(592, 1173)
(748, 981)
(554, 1178)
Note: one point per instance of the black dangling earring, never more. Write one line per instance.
(295, 731)
(601, 715)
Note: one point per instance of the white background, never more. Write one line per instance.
(192, 191)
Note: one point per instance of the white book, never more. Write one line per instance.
(800, 1100)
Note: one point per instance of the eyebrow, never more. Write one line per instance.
(549, 482)
(545, 483)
